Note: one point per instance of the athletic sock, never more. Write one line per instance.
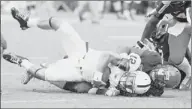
(26, 64)
(32, 22)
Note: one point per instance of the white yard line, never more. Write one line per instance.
(122, 37)
(37, 101)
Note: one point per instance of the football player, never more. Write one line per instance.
(149, 58)
(82, 64)
(175, 8)
(175, 49)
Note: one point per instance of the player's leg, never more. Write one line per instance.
(62, 70)
(79, 87)
(36, 71)
(71, 40)
(154, 20)
(178, 47)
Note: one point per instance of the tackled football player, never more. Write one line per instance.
(82, 64)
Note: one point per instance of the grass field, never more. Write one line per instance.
(45, 46)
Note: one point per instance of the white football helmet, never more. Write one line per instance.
(137, 82)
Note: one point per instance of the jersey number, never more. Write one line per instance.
(133, 59)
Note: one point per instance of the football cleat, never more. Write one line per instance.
(20, 17)
(12, 58)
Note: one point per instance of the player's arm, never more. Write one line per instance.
(108, 58)
(101, 76)
(124, 49)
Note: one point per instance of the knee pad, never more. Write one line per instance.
(185, 67)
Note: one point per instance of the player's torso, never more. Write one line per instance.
(148, 58)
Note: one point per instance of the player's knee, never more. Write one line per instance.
(176, 60)
(54, 23)
(83, 87)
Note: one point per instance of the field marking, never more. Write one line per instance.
(8, 74)
(121, 37)
(35, 101)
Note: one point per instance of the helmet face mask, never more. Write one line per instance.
(126, 82)
(136, 82)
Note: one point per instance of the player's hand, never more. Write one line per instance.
(97, 80)
(112, 92)
(148, 45)
(153, 12)
(124, 64)
(115, 76)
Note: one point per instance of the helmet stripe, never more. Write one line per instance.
(143, 85)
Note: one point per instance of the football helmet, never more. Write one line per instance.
(136, 82)
(167, 74)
